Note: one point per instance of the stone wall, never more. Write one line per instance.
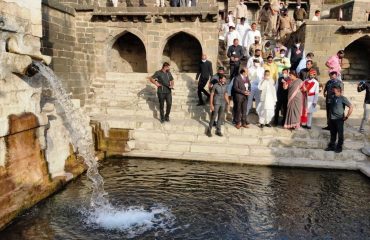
(68, 39)
(35, 153)
(352, 11)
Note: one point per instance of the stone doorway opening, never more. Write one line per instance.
(128, 55)
(356, 64)
(183, 52)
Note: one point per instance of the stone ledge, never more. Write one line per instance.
(58, 6)
(164, 11)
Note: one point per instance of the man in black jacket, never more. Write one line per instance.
(240, 92)
(296, 53)
(235, 52)
(365, 85)
(203, 75)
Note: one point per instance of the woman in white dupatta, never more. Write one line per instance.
(266, 106)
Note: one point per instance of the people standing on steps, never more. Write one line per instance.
(251, 36)
(299, 15)
(242, 28)
(302, 63)
(266, 106)
(231, 35)
(310, 99)
(235, 52)
(294, 108)
(285, 25)
(263, 18)
(282, 61)
(164, 82)
(364, 86)
(256, 74)
(282, 97)
(240, 91)
(204, 74)
(241, 11)
(328, 93)
(272, 68)
(296, 53)
(216, 77)
(218, 101)
(334, 63)
(337, 119)
(257, 56)
(305, 72)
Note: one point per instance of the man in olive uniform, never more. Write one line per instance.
(163, 80)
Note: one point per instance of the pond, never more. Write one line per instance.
(169, 199)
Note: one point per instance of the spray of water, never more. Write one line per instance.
(134, 220)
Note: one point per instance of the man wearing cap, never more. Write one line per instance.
(285, 25)
(299, 15)
(163, 80)
(235, 52)
(337, 118)
(334, 64)
(328, 93)
(311, 96)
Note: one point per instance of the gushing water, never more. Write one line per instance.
(78, 127)
(133, 220)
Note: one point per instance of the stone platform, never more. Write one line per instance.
(129, 101)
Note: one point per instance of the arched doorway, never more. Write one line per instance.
(183, 51)
(356, 63)
(128, 55)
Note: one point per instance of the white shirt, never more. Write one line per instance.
(301, 65)
(251, 59)
(231, 36)
(256, 75)
(242, 29)
(249, 38)
(315, 18)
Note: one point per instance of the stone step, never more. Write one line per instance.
(329, 162)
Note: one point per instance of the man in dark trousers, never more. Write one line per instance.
(337, 119)
(328, 93)
(240, 91)
(203, 75)
(296, 53)
(217, 103)
(235, 53)
(163, 80)
(282, 97)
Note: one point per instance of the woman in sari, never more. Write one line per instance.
(294, 110)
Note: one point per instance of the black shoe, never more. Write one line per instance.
(329, 148)
(215, 124)
(260, 125)
(326, 128)
(267, 125)
(219, 134)
(200, 104)
(304, 126)
(162, 120)
(167, 119)
(143, 5)
(209, 133)
(308, 127)
(338, 149)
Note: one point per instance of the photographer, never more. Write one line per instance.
(365, 85)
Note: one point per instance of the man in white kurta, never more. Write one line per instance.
(266, 106)
(251, 36)
(255, 73)
(231, 36)
(242, 28)
(313, 89)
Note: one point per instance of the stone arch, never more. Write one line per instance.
(127, 53)
(356, 62)
(183, 50)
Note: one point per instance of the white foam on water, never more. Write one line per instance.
(132, 221)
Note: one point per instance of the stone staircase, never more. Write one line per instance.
(129, 101)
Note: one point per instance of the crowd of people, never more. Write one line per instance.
(282, 83)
